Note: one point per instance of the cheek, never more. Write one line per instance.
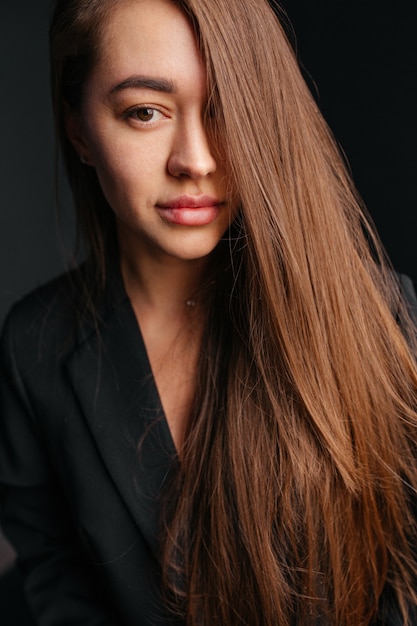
(131, 185)
(126, 167)
(118, 172)
(114, 181)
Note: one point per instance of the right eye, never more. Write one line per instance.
(144, 114)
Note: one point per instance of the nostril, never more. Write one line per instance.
(193, 158)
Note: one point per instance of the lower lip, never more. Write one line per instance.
(190, 216)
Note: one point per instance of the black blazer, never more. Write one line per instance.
(85, 452)
(79, 501)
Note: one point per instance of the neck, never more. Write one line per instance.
(159, 288)
(160, 285)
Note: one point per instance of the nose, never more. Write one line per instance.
(191, 155)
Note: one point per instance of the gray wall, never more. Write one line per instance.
(362, 55)
(29, 249)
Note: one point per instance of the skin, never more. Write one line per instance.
(149, 147)
(141, 126)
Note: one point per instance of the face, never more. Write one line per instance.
(141, 126)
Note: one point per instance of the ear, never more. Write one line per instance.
(76, 134)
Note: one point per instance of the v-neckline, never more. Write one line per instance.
(118, 293)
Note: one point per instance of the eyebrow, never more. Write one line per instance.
(146, 82)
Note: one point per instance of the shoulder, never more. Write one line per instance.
(408, 291)
(45, 320)
(46, 325)
(406, 311)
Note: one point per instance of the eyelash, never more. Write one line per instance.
(130, 115)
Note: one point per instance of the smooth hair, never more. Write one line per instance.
(295, 495)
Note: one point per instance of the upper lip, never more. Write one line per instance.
(189, 202)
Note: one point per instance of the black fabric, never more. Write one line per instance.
(409, 293)
(79, 500)
(85, 452)
(14, 609)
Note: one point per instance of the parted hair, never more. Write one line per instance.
(293, 501)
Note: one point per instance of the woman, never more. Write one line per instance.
(213, 420)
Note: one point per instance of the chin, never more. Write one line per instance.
(191, 255)
(200, 248)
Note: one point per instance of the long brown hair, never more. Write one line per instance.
(298, 474)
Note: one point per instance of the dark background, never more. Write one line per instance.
(29, 247)
(360, 57)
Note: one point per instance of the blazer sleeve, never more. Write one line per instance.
(410, 296)
(59, 584)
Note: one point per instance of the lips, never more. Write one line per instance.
(190, 210)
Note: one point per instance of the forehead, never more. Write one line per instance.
(148, 36)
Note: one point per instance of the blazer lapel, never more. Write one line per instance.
(112, 378)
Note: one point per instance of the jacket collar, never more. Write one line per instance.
(112, 378)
